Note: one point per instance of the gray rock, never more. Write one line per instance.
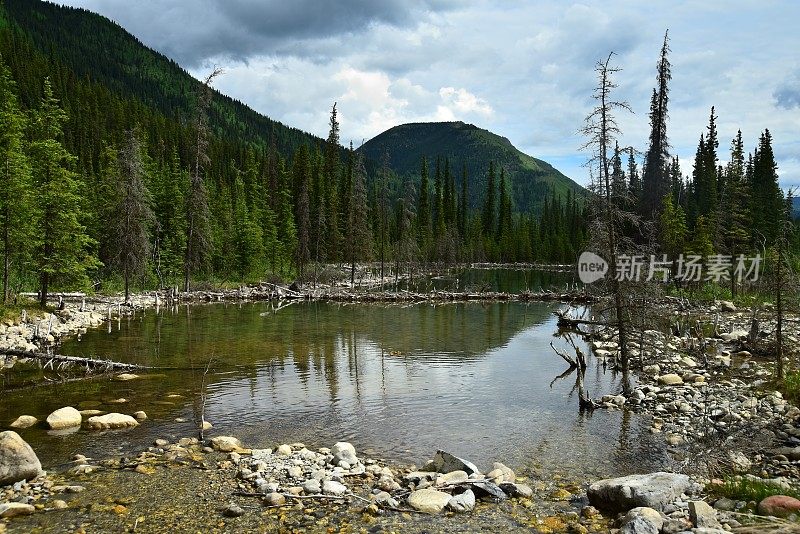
(725, 504)
(488, 490)
(331, 487)
(653, 490)
(638, 525)
(13, 509)
(233, 510)
(312, 487)
(464, 502)
(67, 417)
(17, 459)
(701, 514)
(444, 462)
(454, 477)
(675, 525)
(274, 499)
(516, 490)
(792, 453)
(641, 520)
(295, 472)
(385, 499)
(344, 452)
(428, 500)
(415, 477)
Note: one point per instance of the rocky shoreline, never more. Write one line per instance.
(714, 407)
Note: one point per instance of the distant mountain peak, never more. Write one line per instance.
(531, 180)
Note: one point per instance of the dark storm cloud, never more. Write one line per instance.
(242, 28)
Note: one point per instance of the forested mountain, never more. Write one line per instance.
(530, 180)
(91, 47)
(119, 167)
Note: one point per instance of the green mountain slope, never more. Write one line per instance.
(531, 179)
(95, 48)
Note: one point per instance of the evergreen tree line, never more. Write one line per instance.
(732, 209)
(93, 193)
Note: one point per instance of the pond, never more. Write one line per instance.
(501, 279)
(398, 381)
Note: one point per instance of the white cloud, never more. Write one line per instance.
(520, 69)
(464, 102)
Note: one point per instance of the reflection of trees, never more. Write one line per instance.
(329, 342)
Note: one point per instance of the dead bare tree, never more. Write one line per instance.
(198, 238)
(607, 214)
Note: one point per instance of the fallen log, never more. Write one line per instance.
(109, 365)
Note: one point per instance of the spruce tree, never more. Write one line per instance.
(330, 175)
(423, 208)
(489, 216)
(766, 197)
(359, 236)
(463, 205)
(301, 177)
(15, 180)
(438, 202)
(655, 181)
(619, 188)
(634, 180)
(733, 214)
(133, 214)
(198, 226)
(61, 241)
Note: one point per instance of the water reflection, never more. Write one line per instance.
(401, 380)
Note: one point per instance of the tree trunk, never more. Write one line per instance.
(45, 282)
(6, 262)
(127, 284)
(779, 307)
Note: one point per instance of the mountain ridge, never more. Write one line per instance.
(531, 180)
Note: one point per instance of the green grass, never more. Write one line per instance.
(12, 311)
(791, 387)
(745, 489)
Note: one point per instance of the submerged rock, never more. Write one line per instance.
(653, 490)
(67, 417)
(17, 459)
(124, 377)
(111, 421)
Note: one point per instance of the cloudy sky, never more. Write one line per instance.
(521, 69)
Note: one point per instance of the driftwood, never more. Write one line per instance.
(108, 365)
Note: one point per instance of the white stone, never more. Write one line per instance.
(429, 500)
(111, 421)
(67, 417)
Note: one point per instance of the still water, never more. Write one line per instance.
(399, 381)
